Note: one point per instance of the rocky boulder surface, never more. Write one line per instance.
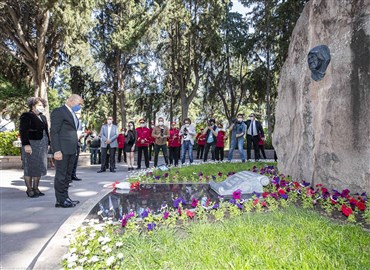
(322, 128)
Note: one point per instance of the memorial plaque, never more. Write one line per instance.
(248, 182)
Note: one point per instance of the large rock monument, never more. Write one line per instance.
(322, 128)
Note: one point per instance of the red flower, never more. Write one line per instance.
(264, 203)
(361, 206)
(265, 194)
(135, 186)
(296, 185)
(346, 210)
(324, 190)
(281, 191)
(309, 192)
(255, 201)
(189, 213)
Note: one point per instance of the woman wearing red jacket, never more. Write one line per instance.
(174, 144)
(142, 143)
(220, 144)
(201, 142)
(121, 144)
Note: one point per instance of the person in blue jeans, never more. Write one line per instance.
(238, 129)
(187, 132)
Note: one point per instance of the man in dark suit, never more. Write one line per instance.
(254, 129)
(63, 133)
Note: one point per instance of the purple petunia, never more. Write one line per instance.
(284, 196)
(157, 177)
(177, 202)
(345, 193)
(165, 175)
(214, 177)
(144, 214)
(239, 206)
(165, 215)
(232, 201)
(305, 184)
(124, 221)
(219, 174)
(151, 226)
(216, 206)
(275, 180)
(283, 183)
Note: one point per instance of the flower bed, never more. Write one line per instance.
(105, 239)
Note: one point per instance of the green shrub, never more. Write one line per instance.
(6, 144)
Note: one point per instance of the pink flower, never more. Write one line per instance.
(237, 194)
(194, 202)
(265, 194)
(165, 215)
(255, 201)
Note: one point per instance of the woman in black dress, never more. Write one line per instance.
(35, 140)
(129, 148)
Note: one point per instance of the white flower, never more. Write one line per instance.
(110, 260)
(72, 258)
(71, 265)
(105, 218)
(119, 244)
(109, 222)
(85, 243)
(86, 252)
(82, 260)
(119, 255)
(104, 239)
(104, 247)
(94, 259)
(108, 250)
(73, 250)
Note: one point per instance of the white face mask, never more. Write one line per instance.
(187, 125)
(160, 123)
(240, 119)
(251, 118)
(110, 122)
(142, 125)
(122, 132)
(40, 109)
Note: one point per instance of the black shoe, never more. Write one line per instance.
(72, 201)
(138, 168)
(38, 192)
(65, 204)
(113, 171)
(32, 194)
(100, 171)
(75, 178)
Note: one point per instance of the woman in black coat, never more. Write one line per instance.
(35, 140)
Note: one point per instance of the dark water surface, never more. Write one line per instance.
(151, 197)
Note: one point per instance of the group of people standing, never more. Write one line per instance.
(175, 143)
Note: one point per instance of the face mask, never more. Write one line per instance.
(142, 125)
(40, 109)
(240, 119)
(152, 126)
(160, 123)
(122, 132)
(187, 125)
(109, 122)
(251, 118)
(76, 108)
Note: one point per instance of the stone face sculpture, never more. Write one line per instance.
(248, 182)
(322, 128)
(318, 60)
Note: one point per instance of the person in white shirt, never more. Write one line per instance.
(254, 131)
(188, 133)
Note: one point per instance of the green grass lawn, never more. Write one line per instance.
(290, 238)
(190, 173)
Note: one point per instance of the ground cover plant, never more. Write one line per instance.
(273, 230)
(202, 172)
